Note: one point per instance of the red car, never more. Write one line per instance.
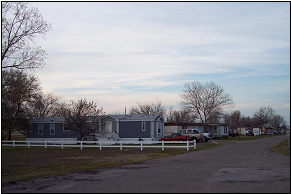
(175, 137)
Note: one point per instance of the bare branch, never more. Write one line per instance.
(20, 25)
(205, 100)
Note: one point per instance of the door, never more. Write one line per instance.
(109, 127)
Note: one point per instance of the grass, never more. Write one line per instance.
(282, 148)
(246, 138)
(22, 163)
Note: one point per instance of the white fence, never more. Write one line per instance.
(102, 144)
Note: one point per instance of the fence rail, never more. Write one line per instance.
(102, 144)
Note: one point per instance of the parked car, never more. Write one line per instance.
(194, 134)
(249, 133)
(175, 137)
(232, 134)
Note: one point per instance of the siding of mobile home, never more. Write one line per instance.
(256, 131)
(113, 121)
(59, 132)
(134, 129)
(130, 126)
(125, 126)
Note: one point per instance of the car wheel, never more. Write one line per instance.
(194, 138)
(205, 139)
(180, 139)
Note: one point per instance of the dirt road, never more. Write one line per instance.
(245, 166)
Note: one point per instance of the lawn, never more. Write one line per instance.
(22, 163)
(246, 138)
(282, 148)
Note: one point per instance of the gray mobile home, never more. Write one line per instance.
(136, 126)
(49, 128)
(111, 127)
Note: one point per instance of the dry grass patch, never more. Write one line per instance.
(282, 148)
(22, 163)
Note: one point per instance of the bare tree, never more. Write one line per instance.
(234, 119)
(205, 100)
(264, 116)
(17, 89)
(278, 122)
(181, 116)
(149, 108)
(60, 109)
(77, 113)
(42, 105)
(247, 121)
(216, 116)
(20, 25)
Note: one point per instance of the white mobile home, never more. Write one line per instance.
(215, 130)
(256, 131)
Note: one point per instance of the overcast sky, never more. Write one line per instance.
(121, 53)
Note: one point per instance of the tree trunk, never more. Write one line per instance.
(9, 134)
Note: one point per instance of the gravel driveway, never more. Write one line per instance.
(236, 167)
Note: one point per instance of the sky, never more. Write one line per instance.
(119, 54)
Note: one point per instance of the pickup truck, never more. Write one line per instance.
(193, 134)
(206, 136)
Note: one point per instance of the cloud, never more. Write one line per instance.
(118, 53)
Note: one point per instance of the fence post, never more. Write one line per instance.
(140, 144)
(163, 145)
(45, 143)
(62, 144)
(28, 144)
(100, 145)
(187, 145)
(194, 144)
(81, 144)
(120, 145)
(13, 143)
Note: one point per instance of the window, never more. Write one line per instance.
(225, 129)
(159, 127)
(143, 126)
(52, 129)
(66, 127)
(30, 127)
(40, 129)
